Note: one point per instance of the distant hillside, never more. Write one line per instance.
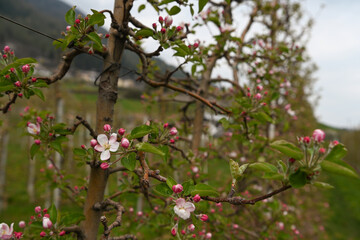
(48, 17)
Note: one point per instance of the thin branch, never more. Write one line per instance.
(85, 124)
(75, 229)
(7, 106)
(119, 211)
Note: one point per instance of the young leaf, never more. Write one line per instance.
(129, 161)
(288, 149)
(298, 179)
(53, 213)
(70, 16)
(96, 18)
(141, 7)
(202, 4)
(79, 152)
(337, 153)
(174, 10)
(95, 38)
(264, 166)
(188, 187)
(144, 33)
(140, 131)
(34, 149)
(332, 167)
(39, 93)
(165, 150)
(163, 190)
(147, 147)
(323, 185)
(170, 182)
(57, 147)
(204, 190)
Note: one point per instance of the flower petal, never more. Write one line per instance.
(102, 139)
(99, 148)
(105, 155)
(189, 207)
(180, 202)
(114, 146)
(113, 138)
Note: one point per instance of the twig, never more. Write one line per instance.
(7, 106)
(75, 229)
(86, 125)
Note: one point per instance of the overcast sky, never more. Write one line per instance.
(333, 46)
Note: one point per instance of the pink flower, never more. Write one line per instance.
(25, 68)
(191, 227)
(7, 49)
(38, 209)
(280, 225)
(106, 146)
(18, 235)
(107, 128)
(204, 217)
(178, 188)
(104, 165)
(173, 131)
(5, 231)
(125, 143)
(93, 142)
(335, 142)
(68, 28)
(258, 96)
(196, 198)
(287, 107)
(318, 135)
(259, 88)
(168, 21)
(22, 224)
(47, 224)
(183, 209)
(139, 213)
(208, 235)
(121, 131)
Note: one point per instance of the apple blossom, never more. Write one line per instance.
(196, 198)
(183, 209)
(318, 135)
(173, 131)
(166, 125)
(322, 150)
(168, 21)
(104, 165)
(38, 209)
(121, 131)
(93, 142)
(258, 96)
(107, 128)
(178, 188)
(18, 235)
(22, 224)
(204, 217)
(33, 129)
(125, 143)
(42, 234)
(47, 223)
(17, 84)
(5, 231)
(62, 233)
(163, 30)
(191, 227)
(25, 69)
(37, 142)
(174, 230)
(208, 235)
(6, 49)
(106, 146)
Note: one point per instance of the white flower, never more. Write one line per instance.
(5, 231)
(106, 146)
(33, 129)
(183, 208)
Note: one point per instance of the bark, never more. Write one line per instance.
(107, 96)
(3, 158)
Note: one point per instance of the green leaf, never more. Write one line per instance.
(170, 182)
(140, 131)
(95, 38)
(17, 63)
(174, 10)
(6, 88)
(39, 93)
(146, 32)
(57, 147)
(337, 154)
(204, 190)
(141, 7)
(129, 161)
(34, 149)
(236, 170)
(163, 189)
(188, 187)
(332, 167)
(53, 213)
(165, 150)
(202, 4)
(80, 152)
(273, 176)
(288, 149)
(298, 179)
(262, 117)
(282, 166)
(147, 147)
(323, 185)
(225, 123)
(264, 166)
(70, 16)
(96, 18)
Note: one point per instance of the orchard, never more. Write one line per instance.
(228, 149)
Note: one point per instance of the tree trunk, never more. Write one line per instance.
(3, 158)
(107, 96)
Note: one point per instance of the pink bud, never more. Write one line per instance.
(259, 88)
(107, 128)
(154, 26)
(107, 35)
(306, 140)
(86, 18)
(322, 150)
(204, 217)
(235, 226)
(20, 94)
(6, 49)
(47, 223)
(125, 143)
(139, 213)
(131, 210)
(93, 142)
(318, 135)
(37, 142)
(68, 28)
(335, 142)
(34, 79)
(183, 232)
(4, 56)
(291, 160)
(17, 84)
(62, 233)
(22, 224)
(77, 21)
(12, 70)
(83, 146)
(287, 107)
(42, 234)
(38, 119)
(25, 68)
(179, 28)
(173, 231)
(161, 20)
(173, 131)
(172, 141)
(191, 227)
(168, 21)
(196, 198)
(104, 165)
(166, 125)
(18, 235)
(208, 235)
(178, 188)
(163, 30)
(47, 215)
(121, 131)
(258, 96)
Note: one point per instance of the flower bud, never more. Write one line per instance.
(42, 234)
(83, 146)
(161, 20)
(322, 150)
(208, 235)
(183, 232)
(62, 233)
(104, 165)
(172, 141)
(37, 142)
(178, 188)
(306, 140)
(77, 21)
(179, 28)
(6, 49)
(166, 125)
(191, 227)
(20, 94)
(204, 217)
(125, 143)
(154, 26)
(318, 135)
(38, 119)
(25, 68)
(168, 21)
(17, 84)
(258, 96)
(47, 215)
(93, 142)
(22, 224)
(163, 30)
(139, 213)
(68, 28)
(173, 131)
(335, 142)
(107, 128)
(174, 230)
(196, 198)
(47, 224)
(121, 131)
(259, 88)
